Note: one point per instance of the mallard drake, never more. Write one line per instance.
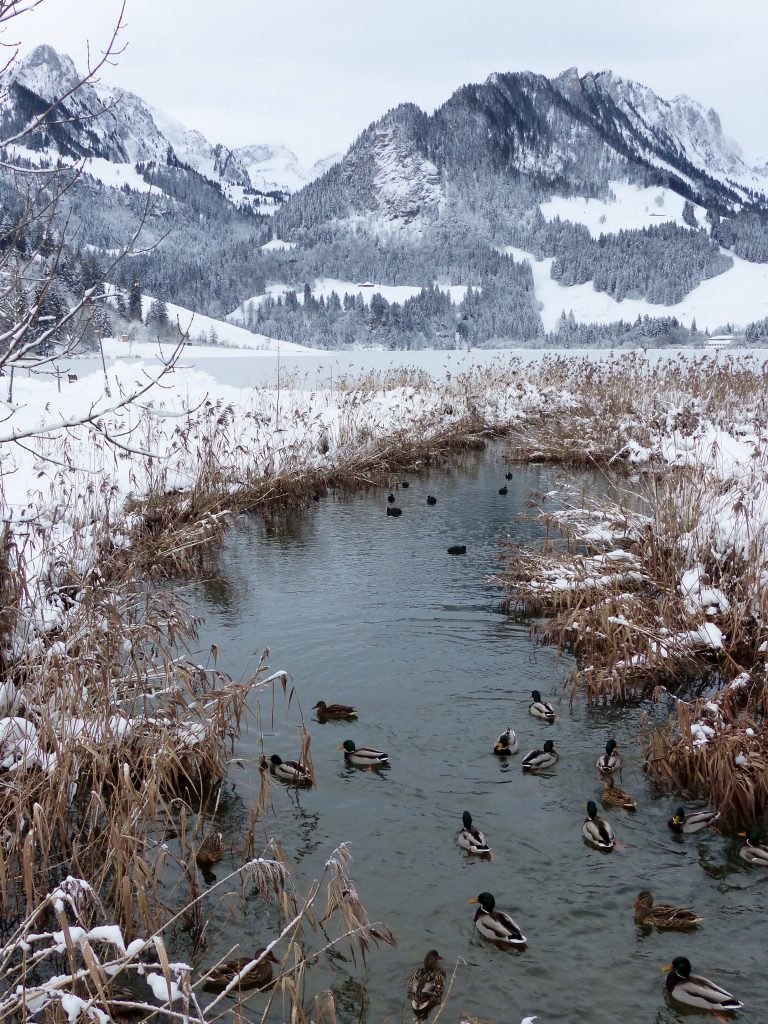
(615, 796)
(664, 916)
(259, 976)
(538, 759)
(693, 990)
(210, 850)
(596, 830)
(334, 710)
(292, 772)
(363, 757)
(506, 744)
(472, 839)
(495, 924)
(752, 851)
(540, 708)
(427, 983)
(431, 499)
(694, 822)
(610, 761)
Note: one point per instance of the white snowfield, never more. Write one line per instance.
(632, 207)
(738, 296)
(277, 245)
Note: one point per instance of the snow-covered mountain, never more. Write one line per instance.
(655, 126)
(608, 188)
(116, 125)
(275, 168)
(570, 135)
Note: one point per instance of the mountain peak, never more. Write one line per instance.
(46, 72)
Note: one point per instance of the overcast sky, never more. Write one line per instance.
(312, 75)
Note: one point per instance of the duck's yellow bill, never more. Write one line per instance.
(340, 746)
(668, 969)
(742, 835)
(474, 901)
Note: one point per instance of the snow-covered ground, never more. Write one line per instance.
(738, 296)
(633, 207)
(324, 286)
(277, 245)
(199, 327)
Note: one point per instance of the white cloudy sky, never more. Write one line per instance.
(312, 75)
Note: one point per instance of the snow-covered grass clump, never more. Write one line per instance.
(666, 589)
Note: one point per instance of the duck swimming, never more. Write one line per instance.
(363, 757)
(494, 924)
(664, 916)
(457, 549)
(614, 796)
(431, 499)
(694, 822)
(693, 990)
(337, 711)
(259, 976)
(472, 839)
(292, 772)
(540, 708)
(610, 761)
(394, 511)
(538, 759)
(427, 983)
(596, 830)
(210, 851)
(506, 744)
(752, 851)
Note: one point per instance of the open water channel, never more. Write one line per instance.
(370, 610)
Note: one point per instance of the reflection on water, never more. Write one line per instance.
(370, 610)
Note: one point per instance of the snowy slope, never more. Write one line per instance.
(199, 327)
(737, 296)
(631, 207)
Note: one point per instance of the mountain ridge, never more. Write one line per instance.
(118, 125)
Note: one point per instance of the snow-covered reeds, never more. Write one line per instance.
(62, 962)
(663, 584)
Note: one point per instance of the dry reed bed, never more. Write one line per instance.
(666, 585)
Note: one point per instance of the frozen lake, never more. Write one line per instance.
(248, 369)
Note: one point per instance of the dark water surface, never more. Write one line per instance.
(369, 610)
